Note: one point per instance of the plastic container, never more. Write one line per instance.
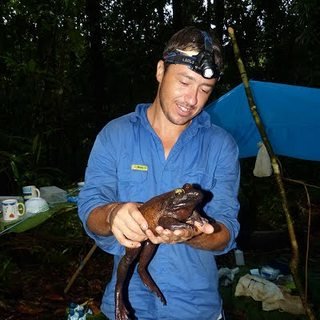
(239, 257)
(53, 195)
(269, 273)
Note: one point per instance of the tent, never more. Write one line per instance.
(290, 114)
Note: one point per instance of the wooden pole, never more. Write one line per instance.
(294, 263)
(81, 266)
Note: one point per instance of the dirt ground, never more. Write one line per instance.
(36, 266)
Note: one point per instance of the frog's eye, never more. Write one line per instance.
(178, 192)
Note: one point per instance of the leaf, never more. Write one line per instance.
(36, 148)
(15, 170)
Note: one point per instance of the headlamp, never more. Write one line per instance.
(202, 63)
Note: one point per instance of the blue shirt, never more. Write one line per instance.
(127, 163)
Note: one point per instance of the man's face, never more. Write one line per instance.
(182, 92)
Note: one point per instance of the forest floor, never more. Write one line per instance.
(36, 266)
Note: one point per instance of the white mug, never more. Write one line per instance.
(30, 192)
(12, 209)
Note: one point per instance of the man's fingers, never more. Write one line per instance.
(130, 220)
(140, 220)
(129, 229)
(154, 239)
(168, 236)
(128, 225)
(205, 228)
(125, 241)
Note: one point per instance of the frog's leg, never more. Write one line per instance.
(121, 312)
(145, 257)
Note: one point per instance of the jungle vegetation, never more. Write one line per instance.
(68, 67)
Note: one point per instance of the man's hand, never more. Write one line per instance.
(181, 235)
(128, 224)
(123, 220)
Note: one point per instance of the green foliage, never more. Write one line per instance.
(261, 206)
(69, 67)
(22, 162)
(5, 268)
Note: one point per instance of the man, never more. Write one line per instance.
(160, 147)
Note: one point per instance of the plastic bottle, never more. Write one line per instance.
(238, 254)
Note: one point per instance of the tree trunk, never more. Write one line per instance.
(218, 15)
(95, 58)
(177, 14)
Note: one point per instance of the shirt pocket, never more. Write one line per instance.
(132, 184)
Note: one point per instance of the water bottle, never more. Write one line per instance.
(238, 254)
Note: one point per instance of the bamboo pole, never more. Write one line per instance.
(81, 266)
(294, 263)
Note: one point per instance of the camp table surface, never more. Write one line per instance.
(28, 222)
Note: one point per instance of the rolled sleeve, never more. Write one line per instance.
(224, 206)
(100, 187)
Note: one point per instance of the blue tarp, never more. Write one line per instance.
(290, 114)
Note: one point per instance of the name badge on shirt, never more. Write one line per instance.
(139, 167)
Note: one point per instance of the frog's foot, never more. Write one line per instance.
(172, 224)
(196, 217)
(122, 313)
(203, 221)
(159, 294)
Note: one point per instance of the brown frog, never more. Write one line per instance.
(172, 210)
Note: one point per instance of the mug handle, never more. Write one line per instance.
(21, 209)
(38, 192)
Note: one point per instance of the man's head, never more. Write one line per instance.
(197, 50)
(187, 74)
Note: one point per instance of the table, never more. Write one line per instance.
(27, 222)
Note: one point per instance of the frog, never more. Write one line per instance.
(171, 210)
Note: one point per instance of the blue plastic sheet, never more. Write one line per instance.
(290, 114)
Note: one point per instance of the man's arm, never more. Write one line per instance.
(99, 219)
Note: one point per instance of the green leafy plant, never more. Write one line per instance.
(23, 163)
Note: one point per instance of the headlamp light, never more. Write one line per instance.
(202, 63)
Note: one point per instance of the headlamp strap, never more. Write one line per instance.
(201, 63)
(179, 58)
